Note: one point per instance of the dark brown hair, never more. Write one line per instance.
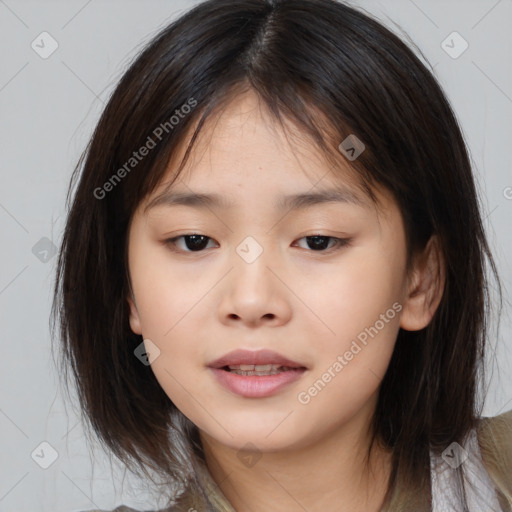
(332, 71)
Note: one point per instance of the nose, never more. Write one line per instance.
(254, 294)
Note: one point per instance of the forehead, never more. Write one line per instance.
(242, 151)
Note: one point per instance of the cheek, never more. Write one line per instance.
(352, 294)
(169, 303)
(165, 294)
(362, 313)
(359, 305)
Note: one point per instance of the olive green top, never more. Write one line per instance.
(491, 479)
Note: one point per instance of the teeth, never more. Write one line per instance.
(251, 373)
(257, 369)
(254, 367)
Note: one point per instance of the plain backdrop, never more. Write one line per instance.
(49, 107)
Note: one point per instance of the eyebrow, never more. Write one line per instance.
(285, 202)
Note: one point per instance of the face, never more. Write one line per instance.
(321, 284)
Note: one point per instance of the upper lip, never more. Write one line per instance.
(258, 357)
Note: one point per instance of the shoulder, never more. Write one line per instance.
(124, 508)
(118, 509)
(495, 440)
(486, 460)
(503, 420)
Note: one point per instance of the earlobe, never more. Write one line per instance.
(134, 317)
(425, 287)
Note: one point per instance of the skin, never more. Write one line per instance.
(306, 304)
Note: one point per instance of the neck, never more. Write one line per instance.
(328, 474)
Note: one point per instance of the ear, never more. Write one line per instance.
(424, 288)
(134, 316)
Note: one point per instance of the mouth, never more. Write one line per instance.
(257, 383)
(264, 362)
(257, 374)
(249, 370)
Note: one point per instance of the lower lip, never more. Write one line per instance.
(257, 386)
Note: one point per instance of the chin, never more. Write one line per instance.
(253, 437)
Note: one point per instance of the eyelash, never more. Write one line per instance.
(339, 243)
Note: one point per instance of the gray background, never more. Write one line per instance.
(48, 110)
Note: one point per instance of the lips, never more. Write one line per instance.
(254, 358)
(256, 374)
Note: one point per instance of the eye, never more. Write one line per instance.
(197, 242)
(193, 242)
(320, 242)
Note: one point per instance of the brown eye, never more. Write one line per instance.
(197, 243)
(193, 242)
(320, 243)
